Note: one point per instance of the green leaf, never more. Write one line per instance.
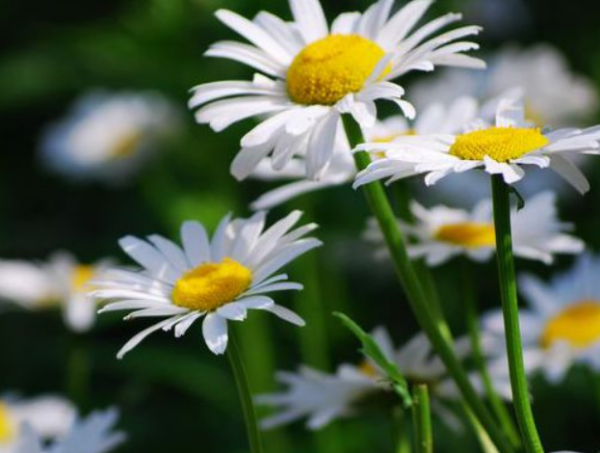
(371, 349)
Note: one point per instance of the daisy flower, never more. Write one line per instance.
(322, 397)
(60, 282)
(504, 148)
(92, 434)
(311, 73)
(218, 280)
(553, 94)
(108, 136)
(49, 417)
(342, 170)
(561, 325)
(441, 233)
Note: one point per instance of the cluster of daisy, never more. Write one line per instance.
(312, 76)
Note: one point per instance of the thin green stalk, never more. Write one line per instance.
(498, 406)
(78, 371)
(433, 328)
(422, 419)
(484, 440)
(400, 433)
(241, 381)
(510, 309)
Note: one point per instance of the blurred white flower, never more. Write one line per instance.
(49, 417)
(441, 233)
(92, 434)
(505, 147)
(108, 136)
(437, 118)
(218, 280)
(561, 325)
(323, 397)
(553, 94)
(60, 282)
(312, 73)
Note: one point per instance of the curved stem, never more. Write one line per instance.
(241, 381)
(496, 402)
(422, 419)
(510, 310)
(435, 328)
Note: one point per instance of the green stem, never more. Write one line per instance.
(401, 437)
(498, 406)
(422, 419)
(78, 371)
(433, 328)
(510, 309)
(241, 381)
(487, 446)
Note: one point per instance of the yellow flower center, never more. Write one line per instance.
(212, 285)
(578, 325)
(126, 145)
(500, 143)
(467, 234)
(367, 368)
(7, 429)
(329, 69)
(80, 276)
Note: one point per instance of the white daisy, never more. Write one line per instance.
(219, 279)
(60, 282)
(441, 233)
(323, 397)
(504, 148)
(561, 325)
(49, 417)
(342, 169)
(553, 93)
(312, 73)
(108, 136)
(92, 434)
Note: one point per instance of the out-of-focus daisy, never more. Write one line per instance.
(59, 282)
(219, 279)
(504, 148)
(437, 118)
(108, 136)
(561, 325)
(49, 417)
(312, 73)
(441, 233)
(553, 94)
(322, 397)
(92, 434)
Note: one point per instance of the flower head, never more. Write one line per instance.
(323, 397)
(49, 417)
(92, 434)
(441, 233)
(561, 325)
(218, 279)
(60, 282)
(108, 136)
(504, 148)
(553, 94)
(311, 73)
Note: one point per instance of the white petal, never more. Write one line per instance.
(286, 315)
(214, 329)
(141, 336)
(195, 243)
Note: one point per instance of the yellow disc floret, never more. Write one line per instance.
(467, 234)
(578, 325)
(212, 285)
(502, 144)
(80, 276)
(329, 69)
(126, 145)
(7, 429)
